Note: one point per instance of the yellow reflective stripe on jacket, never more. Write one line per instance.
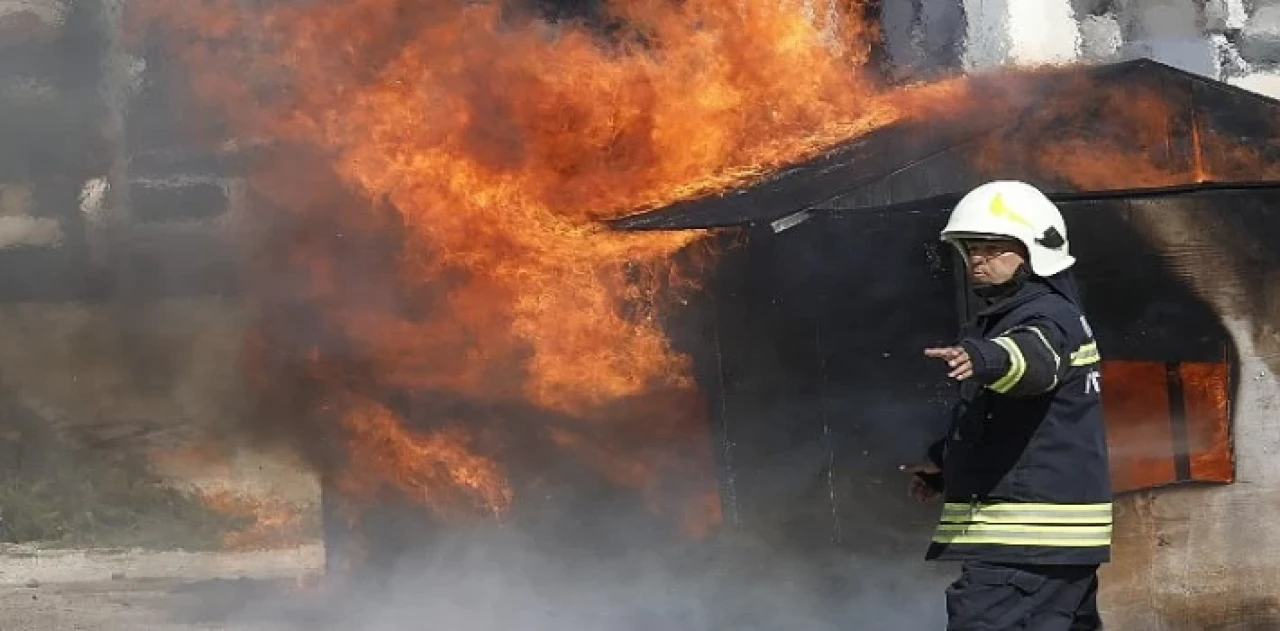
(1086, 354)
(1026, 513)
(1008, 535)
(1025, 524)
(1057, 361)
(1017, 366)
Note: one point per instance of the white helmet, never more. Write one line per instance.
(1013, 210)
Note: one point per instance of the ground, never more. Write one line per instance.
(135, 604)
(113, 590)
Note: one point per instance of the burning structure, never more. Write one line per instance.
(447, 333)
(438, 303)
(439, 322)
(828, 279)
(815, 320)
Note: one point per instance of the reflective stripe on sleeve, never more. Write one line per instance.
(1057, 361)
(1017, 366)
(1085, 355)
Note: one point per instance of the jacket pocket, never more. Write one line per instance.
(998, 575)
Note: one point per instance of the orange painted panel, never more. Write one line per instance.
(1135, 404)
(1206, 388)
(1167, 423)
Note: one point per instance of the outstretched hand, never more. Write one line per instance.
(957, 359)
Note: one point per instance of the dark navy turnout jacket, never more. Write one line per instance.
(1025, 473)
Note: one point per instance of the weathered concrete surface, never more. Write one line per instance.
(1196, 558)
(1260, 39)
(1007, 32)
(27, 564)
(131, 605)
(128, 590)
(1203, 558)
(1267, 83)
(922, 35)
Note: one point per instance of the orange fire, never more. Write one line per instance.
(486, 145)
(440, 467)
(1113, 137)
(440, 171)
(268, 523)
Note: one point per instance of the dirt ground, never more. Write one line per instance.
(48, 590)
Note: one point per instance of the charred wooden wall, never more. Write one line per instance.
(812, 364)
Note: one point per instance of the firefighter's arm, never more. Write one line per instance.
(1025, 361)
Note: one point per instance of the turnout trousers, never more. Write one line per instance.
(1001, 597)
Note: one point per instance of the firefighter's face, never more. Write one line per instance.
(995, 261)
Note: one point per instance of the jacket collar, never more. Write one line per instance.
(1031, 289)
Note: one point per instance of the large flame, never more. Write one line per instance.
(498, 140)
(441, 168)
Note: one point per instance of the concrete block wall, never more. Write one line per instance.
(118, 280)
(1229, 40)
(92, 164)
(33, 95)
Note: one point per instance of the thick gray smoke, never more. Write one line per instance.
(89, 118)
(497, 582)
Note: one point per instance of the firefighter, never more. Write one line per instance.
(1023, 467)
